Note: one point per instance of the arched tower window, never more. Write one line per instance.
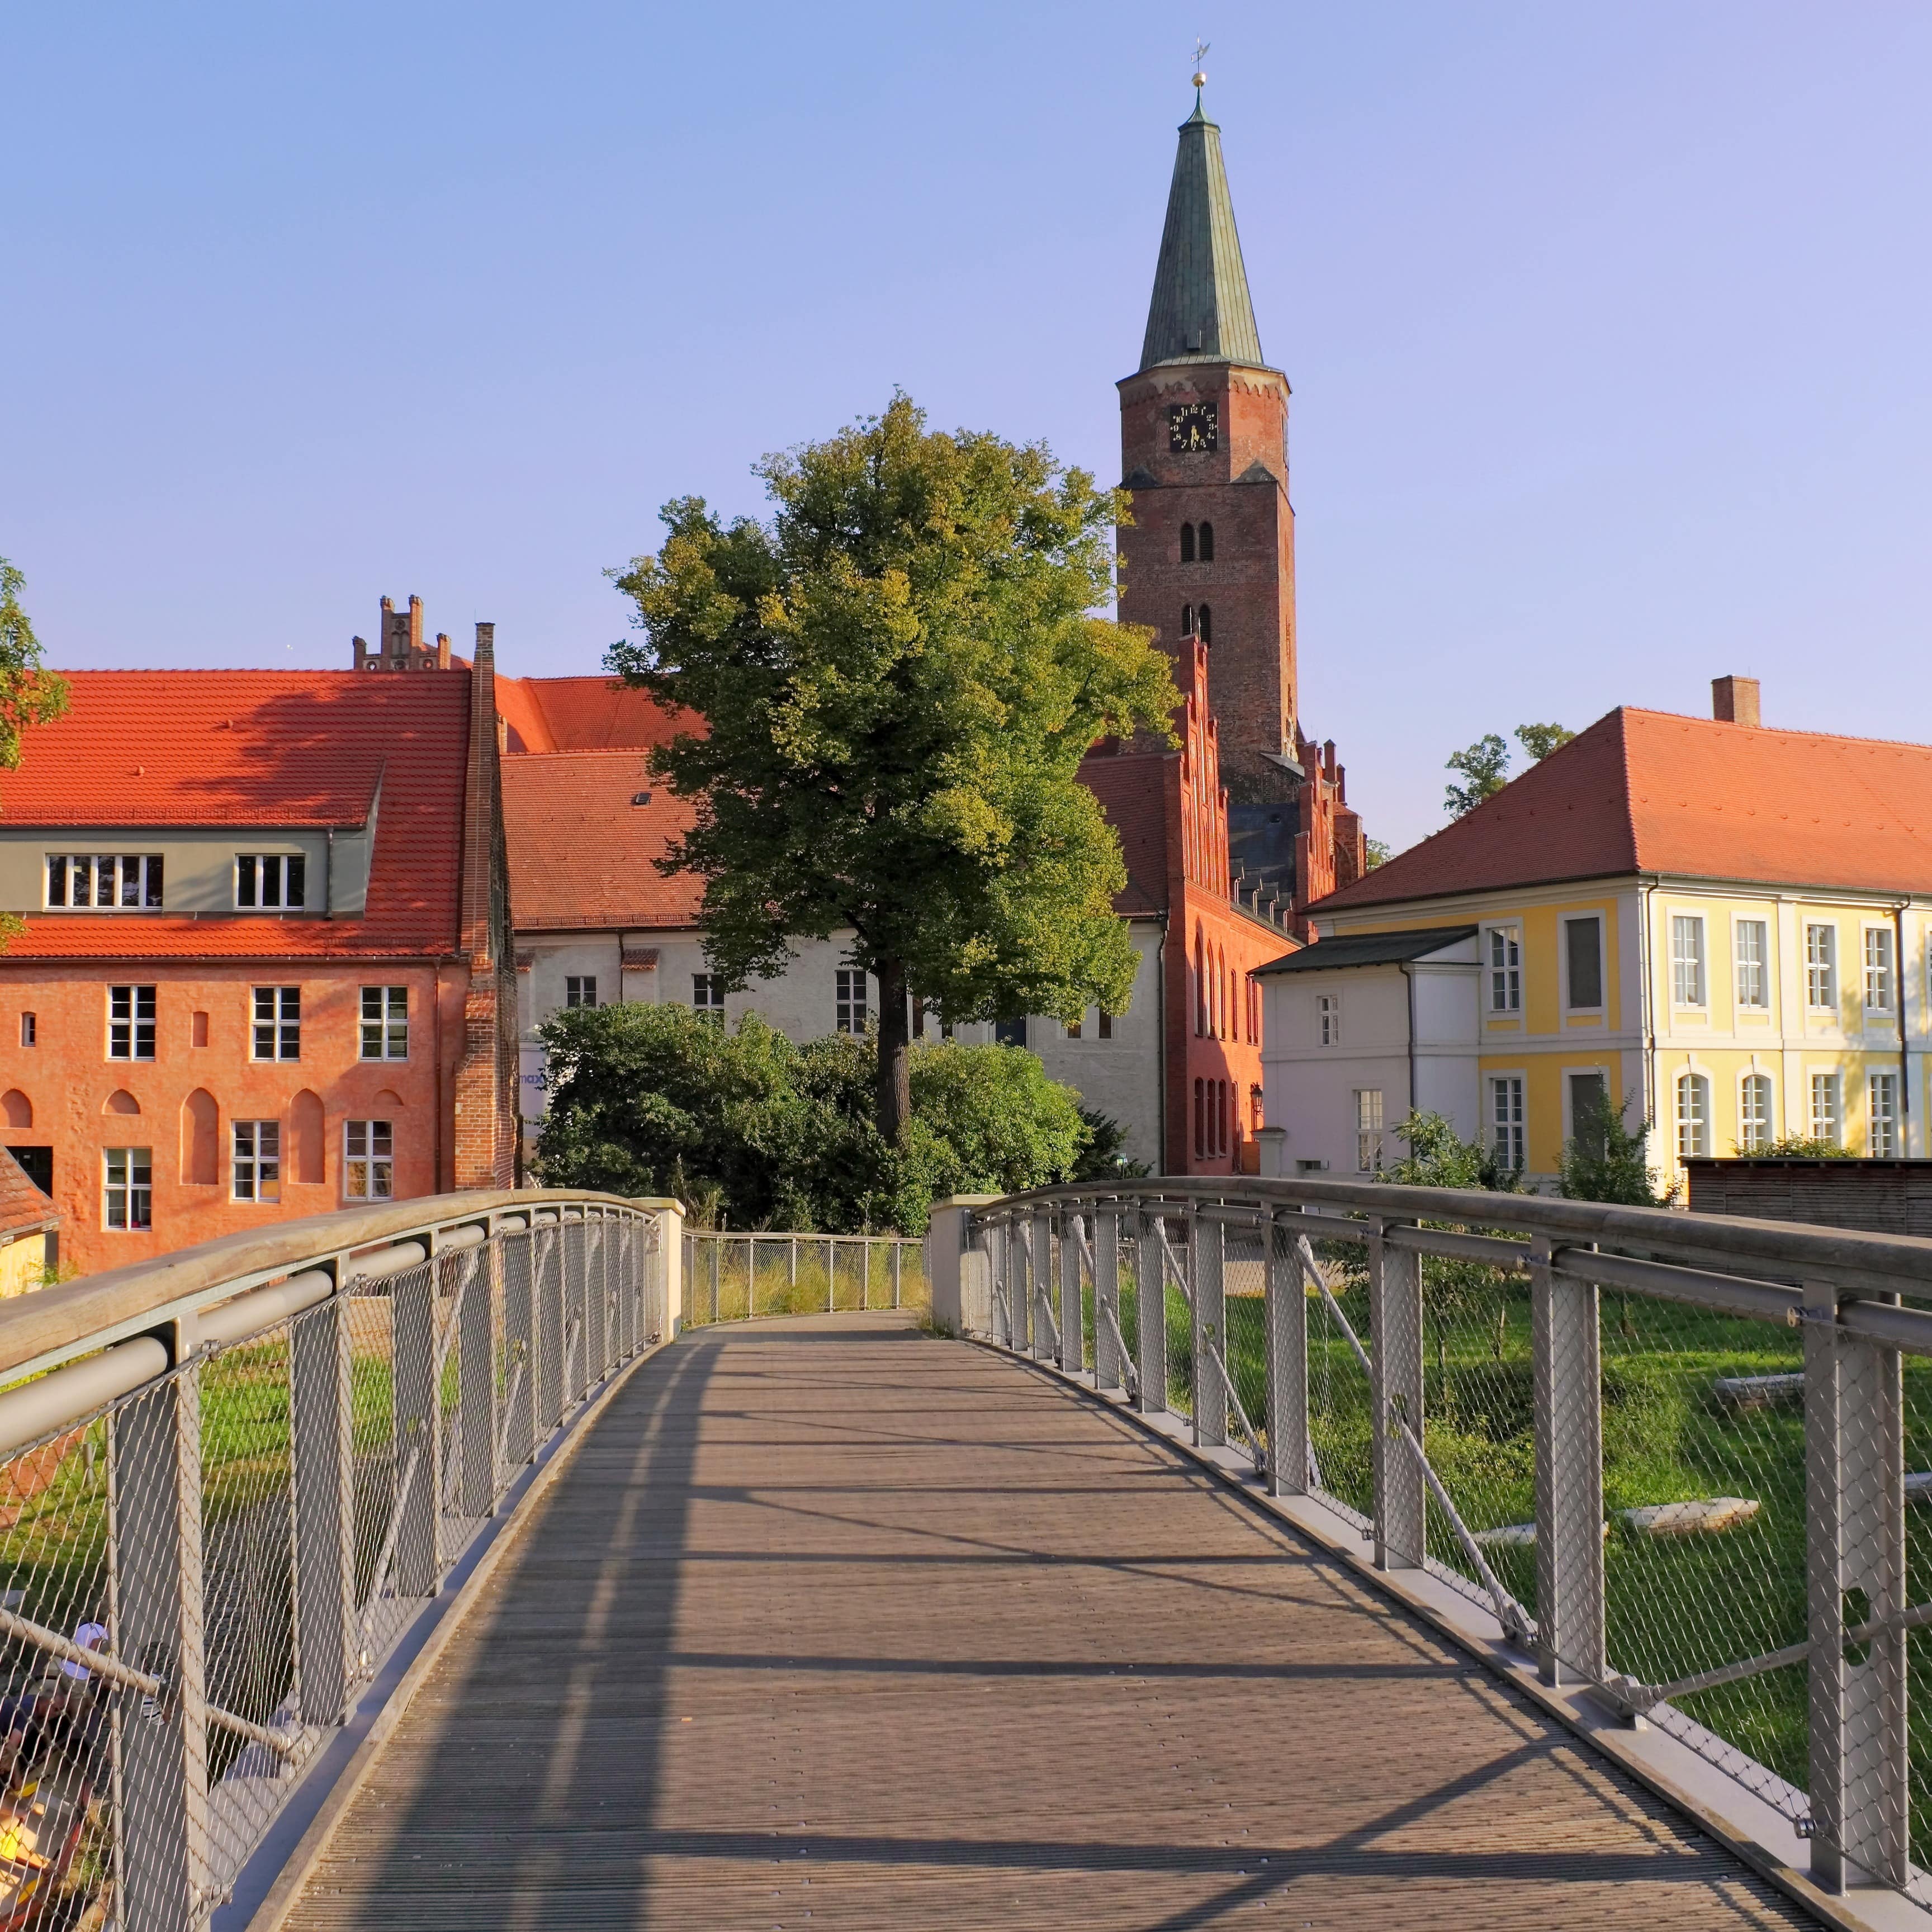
(1206, 545)
(1187, 620)
(1204, 624)
(1187, 543)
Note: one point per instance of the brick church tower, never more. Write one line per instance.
(1210, 553)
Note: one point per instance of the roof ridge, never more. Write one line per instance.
(1774, 730)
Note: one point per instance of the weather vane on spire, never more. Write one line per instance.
(1200, 72)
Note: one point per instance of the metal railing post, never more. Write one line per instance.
(791, 1274)
(1285, 1317)
(1854, 1572)
(321, 1446)
(579, 1364)
(898, 1256)
(1401, 1500)
(476, 1379)
(418, 1437)
(1072, 1341)
(1109, 1371)
(1041, 1284)
(1207, 1236)
(750, 1275)
(160, 1744)
(551, 1402)
(712, 1241)
(596, 1305)
(831, 1274)
(1150, 1289)
(1566, 1350)
(1019, 1284)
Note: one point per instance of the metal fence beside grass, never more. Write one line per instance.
(1679, 1459)
(233, 1478)
(734, 1277)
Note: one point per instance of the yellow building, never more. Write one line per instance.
(1727, 927)
(29, 1230)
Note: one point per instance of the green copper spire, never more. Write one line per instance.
(1201, 310)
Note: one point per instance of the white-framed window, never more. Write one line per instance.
(1881, 1099)
(1328, 1019)
(1588, 1092)
(30, 1029)
(271, 881)
(579, 989)
(1507, 1132)
(1505, 952)
(1687, 960)
(707, 993)
(849, 1000)
(1368, 1130)
(104, 881)
(1693, 1116)
(130, 1022)
(1754, 950)
(126, 1187)
(368, 1160)
(258, 1159)
(1821, 966)
(1880, 978)
(1583, 963)
(277, 1027)
(1755, 1131)
(1826, 1118)
(386, 1023)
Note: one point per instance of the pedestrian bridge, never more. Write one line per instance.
(498, 1569)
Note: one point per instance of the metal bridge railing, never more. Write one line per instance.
(213, 1530)
(733, 1277)
(1678, 1459)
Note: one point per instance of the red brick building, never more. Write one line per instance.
(266, 968)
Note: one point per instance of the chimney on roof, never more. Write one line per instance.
(1734, 700)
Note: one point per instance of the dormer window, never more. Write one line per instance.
(117, 882)
(275, 881)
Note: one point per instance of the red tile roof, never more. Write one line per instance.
(1132, 792)
(1650, 791)
(281, 749)
(581, 854)
(584, 714)
(23, 1205)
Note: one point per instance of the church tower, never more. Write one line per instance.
(1209, 556)
(1203, 449)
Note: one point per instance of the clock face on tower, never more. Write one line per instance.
(1192, 427)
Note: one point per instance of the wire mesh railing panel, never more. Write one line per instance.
(1244, 1282)
(1341, 1404)
(730, 1277)
(1479, 1424)
(1704, 1493)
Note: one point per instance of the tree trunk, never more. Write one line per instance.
(892, 1108)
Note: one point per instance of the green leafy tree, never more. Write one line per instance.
(1482, 765)
(1377, 853)
(1101, 1158)
(1540, 740)
(752, 1131)
(1604, 1160)
(1438, 1157)
(897, 678)
(1800, 1147)
(29, 694)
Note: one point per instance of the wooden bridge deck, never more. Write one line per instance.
(833, 1624)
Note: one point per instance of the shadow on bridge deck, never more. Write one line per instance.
(831, 1623)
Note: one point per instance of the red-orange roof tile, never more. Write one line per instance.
(1651, 791)
(584, 714)
(150, 749)
(23, 1205)
(581, 854)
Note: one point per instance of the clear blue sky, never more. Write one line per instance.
(1607, 326)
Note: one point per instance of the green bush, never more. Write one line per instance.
(753, 1131)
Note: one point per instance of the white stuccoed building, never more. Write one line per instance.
(1357, 1032)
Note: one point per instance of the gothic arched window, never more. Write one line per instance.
(1187, 543)
(1204, 624)
(1187, 620)
(1206, 545)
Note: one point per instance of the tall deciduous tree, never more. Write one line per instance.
(898, 677)
(28, 694)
